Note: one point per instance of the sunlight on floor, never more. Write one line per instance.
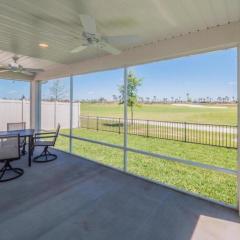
(217, 228)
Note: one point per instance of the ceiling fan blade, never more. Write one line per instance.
(4, 66)
(78, 49)
(107, 47)
(123, 40)
(28, 73)
(88, 23)
(4, 70)
(33, 70)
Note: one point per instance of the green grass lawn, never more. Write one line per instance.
(166, 112)
(208, 183)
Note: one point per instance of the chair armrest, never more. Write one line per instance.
(45, 133)
(42, 137)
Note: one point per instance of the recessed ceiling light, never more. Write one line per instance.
(43, 45)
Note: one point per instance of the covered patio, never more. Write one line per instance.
(74, 198)
(79, 198)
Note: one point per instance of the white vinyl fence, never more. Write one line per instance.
(52, 113)
(14, 111)
(59, 112)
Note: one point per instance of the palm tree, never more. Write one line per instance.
(141, 99)
(115, 98)
(219, 99)
(155, 99)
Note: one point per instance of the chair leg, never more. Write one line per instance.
(8, 168)
(24, 147)
(45, 156)
(2, 171)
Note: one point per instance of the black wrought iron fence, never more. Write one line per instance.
(208, 134)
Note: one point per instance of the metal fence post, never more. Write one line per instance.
(185, 131)
(147, 128)
(88, 122)
(97, 123)
(119, 125)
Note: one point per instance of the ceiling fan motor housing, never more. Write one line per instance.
(91, 38)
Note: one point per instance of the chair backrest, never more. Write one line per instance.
(16, 126)
(9, 147)
(56, 135)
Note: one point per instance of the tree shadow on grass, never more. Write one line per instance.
(113, 124)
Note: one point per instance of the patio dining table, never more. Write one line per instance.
(28, 133)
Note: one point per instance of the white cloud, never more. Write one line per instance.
(232, 83)
(12, 92)
(90, 92)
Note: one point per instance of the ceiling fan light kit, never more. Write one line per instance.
(17, 68)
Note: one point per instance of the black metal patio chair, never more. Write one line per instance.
(19, 126)
(9, 151)
(46, 140)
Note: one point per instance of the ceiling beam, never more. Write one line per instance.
(215, 38)
(15, 76)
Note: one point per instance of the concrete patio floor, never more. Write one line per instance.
(73, 198)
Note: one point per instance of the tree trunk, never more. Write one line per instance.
(132, 114)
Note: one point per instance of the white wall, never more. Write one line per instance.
(18, 111)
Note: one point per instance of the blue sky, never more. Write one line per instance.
(210, 74)
(14, 89)
(205, 75)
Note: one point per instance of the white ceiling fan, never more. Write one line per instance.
(94, 39)
(17, 68)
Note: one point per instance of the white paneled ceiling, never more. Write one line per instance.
(26, 23)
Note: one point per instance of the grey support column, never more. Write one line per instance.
(238, 128)
(71, 112)
(125, 119)
(35, 105)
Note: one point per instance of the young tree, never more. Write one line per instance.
(57, 92)
(133, 84)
